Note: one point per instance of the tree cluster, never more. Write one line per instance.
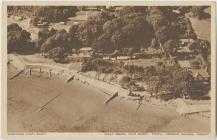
(48, 13)
(18, 40)
(198, 12)
(166, 81)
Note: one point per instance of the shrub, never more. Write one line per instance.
(133, 68)
(195, 64)
(125, 79)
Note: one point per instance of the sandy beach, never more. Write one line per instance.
(77, 107)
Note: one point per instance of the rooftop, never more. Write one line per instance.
(86, 49)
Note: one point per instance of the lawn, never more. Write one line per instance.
(202, 27)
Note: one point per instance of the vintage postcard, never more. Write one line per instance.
(108, 69)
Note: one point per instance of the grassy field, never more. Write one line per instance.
(202, 27)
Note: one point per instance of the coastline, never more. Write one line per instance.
(80, 108)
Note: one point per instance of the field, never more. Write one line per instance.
(202, 27)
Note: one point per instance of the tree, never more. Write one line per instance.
(181, 88)
(104, 44)
(117, 40)
(155, 83)
(137, 32)
(154, 43)
(195, 64)
(44, 34)
(93, 28)
(201, 47)
(54, 13)
(198, 11)
(156, 17)
(59, 39)
(132, 9)
(150, 71)
(74, 37)
(18, 40)
(111, 26)
(162, 34)
(125, 79)
(170, 47)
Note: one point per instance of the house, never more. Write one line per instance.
(113, 59)
(123, 57)
(119, 8)
(176, 11)
(79, 57)
(185, 41)
(137, 55)
(43, 24)
(18, 18)
(151, 53)
(92, 8)
(85, 50)
(106, 58)
(184, 50)
(82, 55)
(62, 23)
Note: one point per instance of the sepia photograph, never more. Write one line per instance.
(109, 69)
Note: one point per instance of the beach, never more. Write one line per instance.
(42, 104)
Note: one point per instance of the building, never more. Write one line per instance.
(18, 18)
(184, 50)
(43, 24)
(185, 41)
(176, 11)
(123, 57)
(85, 50)
(79, 57)
(106, 58)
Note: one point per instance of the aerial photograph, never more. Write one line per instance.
(101, 69)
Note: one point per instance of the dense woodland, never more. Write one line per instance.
(137, 27)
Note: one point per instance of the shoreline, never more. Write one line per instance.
(181, 106)
(85, 110)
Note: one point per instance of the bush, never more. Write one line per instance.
(125, 79)
(134, 68)
(195, 64)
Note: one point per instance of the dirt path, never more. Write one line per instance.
(80, 108)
